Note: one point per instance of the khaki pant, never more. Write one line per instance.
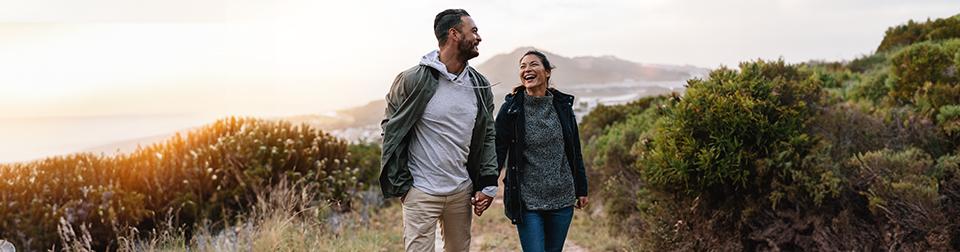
(421, 211)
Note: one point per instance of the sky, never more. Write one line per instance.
(68, 58)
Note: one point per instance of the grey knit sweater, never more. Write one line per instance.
(546, 181)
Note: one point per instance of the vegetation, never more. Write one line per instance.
(213, 173)
(913, 32)
(366, 158)
(858, 155)
(861, 155)
(286, 217)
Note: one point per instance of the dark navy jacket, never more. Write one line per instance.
(510, 135)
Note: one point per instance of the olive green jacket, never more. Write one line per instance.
(408, 97)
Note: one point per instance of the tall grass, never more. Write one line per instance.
(284, 217)
(207, 176)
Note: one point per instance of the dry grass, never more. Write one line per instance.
(590, 231)
(494, 232)
(286, 218)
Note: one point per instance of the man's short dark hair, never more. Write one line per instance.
(450, 18)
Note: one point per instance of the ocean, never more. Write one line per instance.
(26, 139)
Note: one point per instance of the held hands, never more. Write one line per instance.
(480, 203)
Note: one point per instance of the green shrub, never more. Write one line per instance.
(949, 119)
(609, 153)
(874, 87)
(744, 154)
(709, 140)
(916, 65)
(78, 188)
(872, 62)
(897, 176)
(801, 177)
(833, 75)
(593, 124)
(932, 97)
(612, 152)
(913, 32)
(210, 173)
(366, 158)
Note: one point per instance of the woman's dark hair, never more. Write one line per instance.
(543, 60)
(449, 18)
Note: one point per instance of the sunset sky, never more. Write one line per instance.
(263, 57)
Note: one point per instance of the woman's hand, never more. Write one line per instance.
(581, 202)
(480, 203)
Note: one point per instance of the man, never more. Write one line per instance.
(438, 139)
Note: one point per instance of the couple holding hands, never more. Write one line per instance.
(443, 149)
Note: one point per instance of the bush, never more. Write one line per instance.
(709, 140)
(593, 124)
(906, 176)
(610, 152)
(608, 134)
(916, 65)
(949, 119)
(832, 75)
(211, 173)
(366, 158)
(874, 86)
(913, 32)
(793, 157)
(873, 62)
(931, 98)
(609, 158)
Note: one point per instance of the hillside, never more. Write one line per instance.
(360, 116)
(822, 156)
(593, 80)
(585, 69)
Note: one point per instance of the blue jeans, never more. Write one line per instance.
(544, 230)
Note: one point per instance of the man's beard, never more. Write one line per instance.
(466, 50)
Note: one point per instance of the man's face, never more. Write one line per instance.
(469, 39)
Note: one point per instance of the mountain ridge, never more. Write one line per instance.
(586, 69)
(592, 79)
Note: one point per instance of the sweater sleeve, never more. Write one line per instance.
(490, 171)
(579, 172)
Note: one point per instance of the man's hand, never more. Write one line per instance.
(480, 203)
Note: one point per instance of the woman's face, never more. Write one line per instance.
(532, 72)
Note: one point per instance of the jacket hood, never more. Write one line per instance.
(432, 60)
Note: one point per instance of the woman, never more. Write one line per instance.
(537, 137)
